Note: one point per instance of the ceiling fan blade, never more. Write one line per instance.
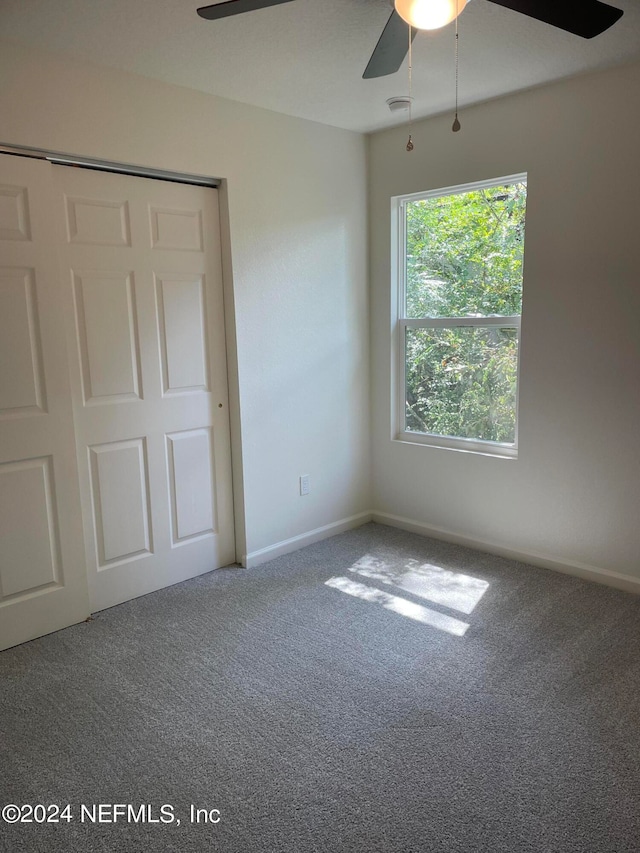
(392, 47)
(235, 7)
(586, 18)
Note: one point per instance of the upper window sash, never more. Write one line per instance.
(400, 203)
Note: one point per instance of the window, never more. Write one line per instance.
(460, 260)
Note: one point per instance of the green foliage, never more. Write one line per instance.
(461, 382)
(464, 259)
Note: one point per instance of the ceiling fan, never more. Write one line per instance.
(586, 18)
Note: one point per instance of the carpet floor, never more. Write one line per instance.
(378, 691)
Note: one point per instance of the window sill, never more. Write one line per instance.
(461, 445)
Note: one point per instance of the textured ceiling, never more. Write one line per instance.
(306, 58)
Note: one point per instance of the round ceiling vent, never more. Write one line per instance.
(399, 103)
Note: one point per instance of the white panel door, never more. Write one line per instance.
(141, 260)
(43, 582)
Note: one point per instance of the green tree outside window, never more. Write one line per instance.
(464, 259)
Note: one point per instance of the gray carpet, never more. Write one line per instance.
(338, 717)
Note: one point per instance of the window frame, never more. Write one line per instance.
(400, 324)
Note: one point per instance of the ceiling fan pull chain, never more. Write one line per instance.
(410, 142)
(456, 122)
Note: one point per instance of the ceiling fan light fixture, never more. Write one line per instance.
(429, 14)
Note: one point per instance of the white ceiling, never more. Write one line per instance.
(306, 58)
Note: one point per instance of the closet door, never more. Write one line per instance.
(142, 270)
(43, 581)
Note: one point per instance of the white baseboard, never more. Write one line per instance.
(580, 570)
(533, 558)
(255, 558)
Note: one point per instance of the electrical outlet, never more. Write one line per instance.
(305, 486)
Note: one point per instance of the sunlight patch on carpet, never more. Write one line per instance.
(400, 605)
(440, 586)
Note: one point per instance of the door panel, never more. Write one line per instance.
(30, 544)
(182, 327)
(21, 380)
(107, 329)
(120, 490)
(141, 259)
(191, 474)
(43, 583)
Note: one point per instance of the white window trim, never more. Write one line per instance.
(399, 325)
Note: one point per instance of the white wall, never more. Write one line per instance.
(573, 495)
(297, 207)
(297, 212)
